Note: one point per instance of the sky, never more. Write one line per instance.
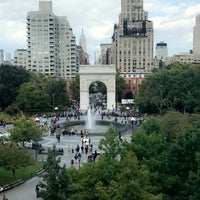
(173, 21)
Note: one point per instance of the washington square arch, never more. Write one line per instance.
(93, 73)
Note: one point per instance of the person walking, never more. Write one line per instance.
(4, 197)
(37, 189)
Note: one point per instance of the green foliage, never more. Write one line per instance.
(56, 90)
(172, 159)
(13, 157)
(23, 173)
(175, 87)
(110, 144)
(26, 130)
(98, 87)
(75, 88)
(12, 110)
(55, 183)
(121, 87)
(182, 160)
(31, 98)
(174, 122)
(116, 175)
(11, 77)
(194, 180)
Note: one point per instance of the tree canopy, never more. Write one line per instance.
(26, 130)
(11, 77)
(13, 157)
(55, 182)
(173, 87)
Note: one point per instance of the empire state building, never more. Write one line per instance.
(133, 40)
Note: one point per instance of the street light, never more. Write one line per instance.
(79, 160)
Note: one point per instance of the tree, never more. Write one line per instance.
(174, 122)
(12, 110)
(151, 96)
(173, 164)
(55, 182)
(121, 87)
(26, 130)
(111, 143)
(194, 180)
(98, 86)
(56, 90)
(173, 87)
(11, 77)
(117, 174)
(75, 88)
(183, 161)
(31, 98)
(13, 157)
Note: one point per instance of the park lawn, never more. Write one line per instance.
(26, 173)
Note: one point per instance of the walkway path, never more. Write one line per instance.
(26, 191)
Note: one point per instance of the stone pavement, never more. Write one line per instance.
(26, 191)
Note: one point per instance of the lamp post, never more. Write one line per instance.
(79, 160)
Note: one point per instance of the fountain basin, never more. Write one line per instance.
(100, 126)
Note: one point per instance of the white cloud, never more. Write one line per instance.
(173, 21)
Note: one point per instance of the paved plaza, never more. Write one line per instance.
(26, 191)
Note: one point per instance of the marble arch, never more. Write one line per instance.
(92, 73)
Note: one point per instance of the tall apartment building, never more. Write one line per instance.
(83, 57)
(1, 56)
(8, 58)
(51, 43)
(106, 57)
(20, 58)
(161, 51)
(184, 58)
(133, 42)
(196, 36)
(97, 57)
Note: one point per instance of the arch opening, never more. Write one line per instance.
(104, 74)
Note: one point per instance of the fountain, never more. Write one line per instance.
(89, 120)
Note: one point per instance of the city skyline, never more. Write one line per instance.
(173, 22)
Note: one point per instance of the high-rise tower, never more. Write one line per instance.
(196, 36)
(82, 42)
(51, 43)
(133, 40)
(1, 56)
(161, 51)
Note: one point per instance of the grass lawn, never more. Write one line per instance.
(26, 173)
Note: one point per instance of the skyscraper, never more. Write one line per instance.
(106, 54)
(82, 42)
(51, 43)
(20, 57)
(161, 51)
(133, 41)
(1, 56)
(196, 36)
